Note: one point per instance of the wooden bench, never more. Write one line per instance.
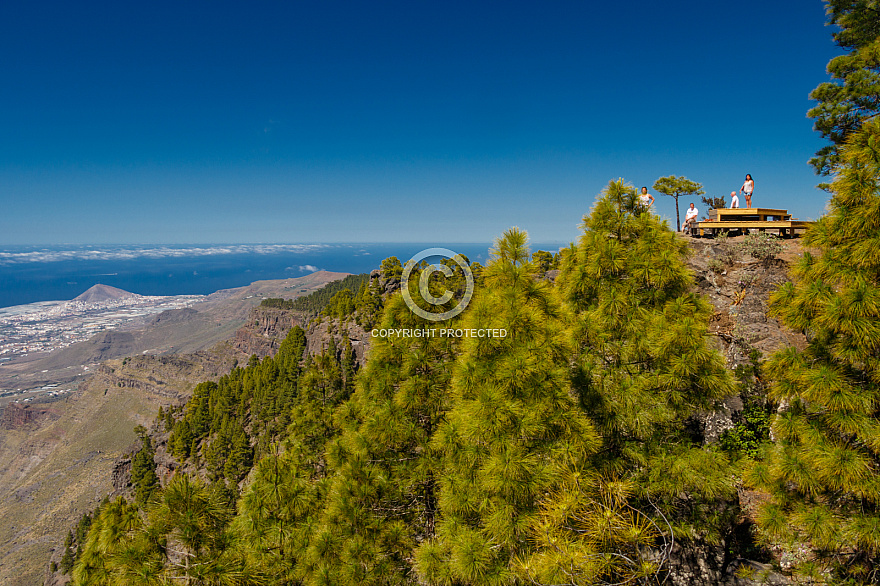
(745, 219)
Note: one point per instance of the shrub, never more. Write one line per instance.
(761, 246)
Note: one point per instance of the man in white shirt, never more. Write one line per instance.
(690, 217)
(734, 200)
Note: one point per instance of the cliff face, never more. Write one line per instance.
(67, 457)
(739, 288)
(20, 417)
(319, 335)
(264, 330)
(169, 377)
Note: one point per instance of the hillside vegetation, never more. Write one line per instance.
(568, 452)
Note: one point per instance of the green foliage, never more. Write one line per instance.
(325, 384)
(181, 538)
(274, 512)
(752, 425)
(381, 499)
(277, 303)
(369, 304)
(143, 471)
(477, 271)
(314, 303)
(339, 300)
(822, 471)
(391, 268)
(675, 187)
(853, 95)
(82, 528)
(750, 432)
(340, 305)
(514, 431)
(447, 280)
(223, 420)
(589, 533)
(558, 454)
(542, 260)
(67, 558)
(761, 246)
(714, 203)
(641, 364)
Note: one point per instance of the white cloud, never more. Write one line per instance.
(123, 253)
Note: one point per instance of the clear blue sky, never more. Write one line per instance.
(262, 122)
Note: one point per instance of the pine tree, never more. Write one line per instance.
(143, 471)
(823, 471)
(240, 457)
(381, 499)
(642, 366)
(321, 390)
(513, 433)
(107, 534)
(676, 187)
(192, 521)
(853, 95)
(67, 557)
(275, 512)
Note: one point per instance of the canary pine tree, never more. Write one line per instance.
(286, 492)
(641, 364)
(108, 536)
(182, 537)
(381, 499)
(823, 471)
(513, 433)
(275, 512)
(853, 95)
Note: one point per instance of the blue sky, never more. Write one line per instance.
(268, 122)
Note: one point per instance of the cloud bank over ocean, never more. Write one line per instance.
(43, 255)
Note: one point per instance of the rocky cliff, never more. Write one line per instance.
(21, 417)
(264, 330)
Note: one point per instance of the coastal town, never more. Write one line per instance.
(51, 325)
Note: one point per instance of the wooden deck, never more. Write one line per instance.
(745, 219)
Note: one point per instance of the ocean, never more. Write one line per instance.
(29, 274)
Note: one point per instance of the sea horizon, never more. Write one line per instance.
(39, 273)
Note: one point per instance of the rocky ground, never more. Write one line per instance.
(738, 286)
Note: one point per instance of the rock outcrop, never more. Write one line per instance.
(18, 416)
(264, 330)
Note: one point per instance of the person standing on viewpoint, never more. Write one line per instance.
(646, 199)
(734, 200)
(747, 189)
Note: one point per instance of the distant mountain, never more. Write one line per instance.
(100, 293)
